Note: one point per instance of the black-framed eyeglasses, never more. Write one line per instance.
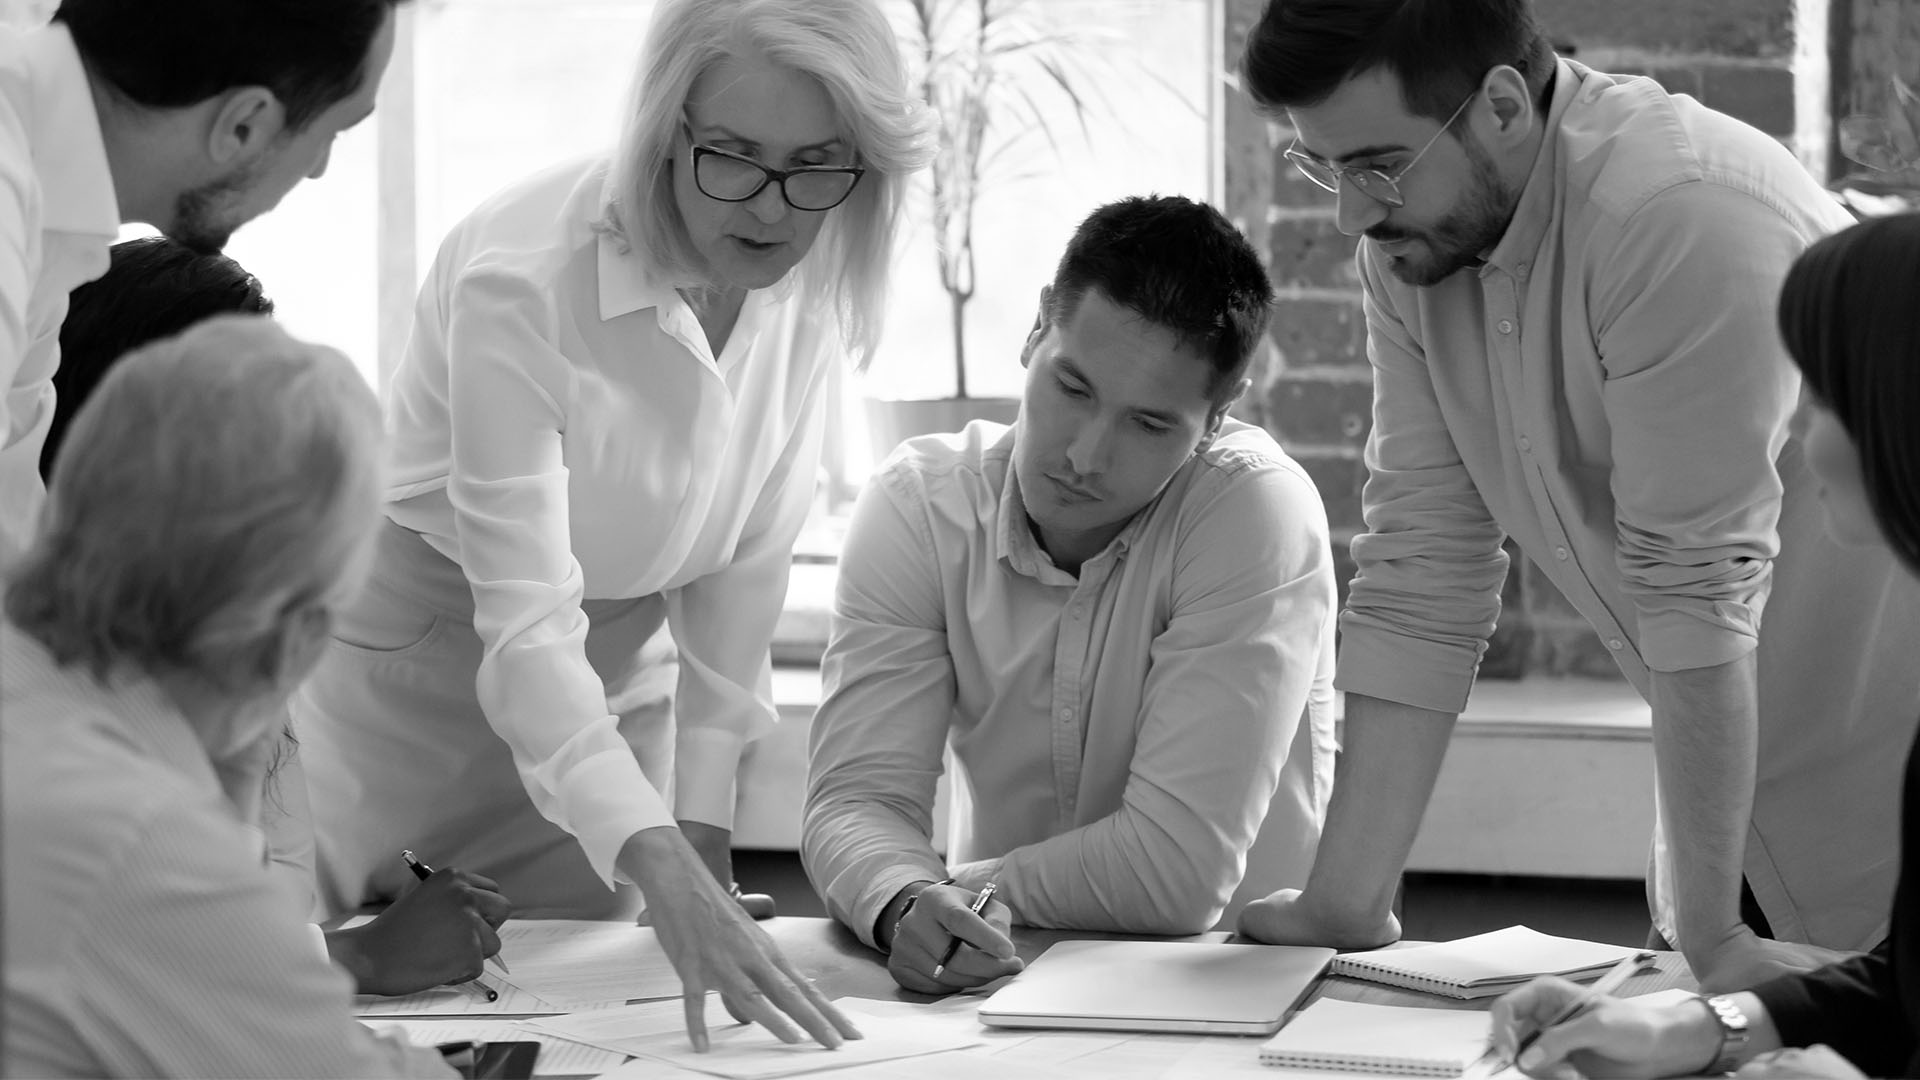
(1374, 183)
(730, 177)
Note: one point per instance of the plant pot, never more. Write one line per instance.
(889, 422)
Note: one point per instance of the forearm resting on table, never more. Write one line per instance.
(1389, 759)
(1390, 756)
(1705, 739)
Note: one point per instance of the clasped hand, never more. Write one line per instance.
(1291, 917)
(942, 915)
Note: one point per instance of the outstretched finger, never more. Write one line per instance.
(751, 1006)
(695, 1000)
(783, 995)
(817, 999)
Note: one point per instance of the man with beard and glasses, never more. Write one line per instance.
(1114, 617)
(1568, 281)
(194, 116)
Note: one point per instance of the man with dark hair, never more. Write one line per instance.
(1569, 283)
(194, 116)
(154, 288)
(1116, 616)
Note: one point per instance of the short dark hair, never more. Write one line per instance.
(1175, 263)
(155, 288)
(1301, 51)
(167, 55)
(1848, 318)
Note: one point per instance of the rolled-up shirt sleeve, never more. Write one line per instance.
(1430, 565)
(1698, 395)
(1226, 688)
(508, 490)
(878, 739)
(723, 623)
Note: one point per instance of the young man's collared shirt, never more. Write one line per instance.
(562, 429)
(1610, 389)
(58, 219)
(145, 935)
(1118, 735)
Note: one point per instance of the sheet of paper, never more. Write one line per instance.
(656, 1030)
(557, 1057)
(580, 963)
(952, 1065)
(460, 1001)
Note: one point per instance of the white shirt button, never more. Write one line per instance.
(1616, 644)
(1521, 270)
(1525, 443)
(1560, 553)
(1506, 326)
(1064, 714)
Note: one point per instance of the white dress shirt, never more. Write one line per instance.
(58, 220)
(1121, 734)
(145, 935)
(563, 431)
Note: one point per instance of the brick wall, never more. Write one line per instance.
(1312, 384)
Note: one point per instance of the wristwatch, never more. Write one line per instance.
(1733, 1034)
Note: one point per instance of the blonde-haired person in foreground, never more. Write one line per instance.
(212, 510)
(609, 419)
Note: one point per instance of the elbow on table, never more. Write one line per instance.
(1189, 909)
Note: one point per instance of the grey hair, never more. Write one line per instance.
(852, 50)
(217, 485)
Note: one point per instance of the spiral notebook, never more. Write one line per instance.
(1482, 965)
(1391, 1039)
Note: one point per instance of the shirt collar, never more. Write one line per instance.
(627, 287)
(69, 154)
(131, 704)
(1013, 529)
(1535, 212)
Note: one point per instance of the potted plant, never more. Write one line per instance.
(1889, 146)
(988, 70)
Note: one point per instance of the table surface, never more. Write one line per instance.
(844, 967)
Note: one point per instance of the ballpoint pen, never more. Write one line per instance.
(979, 905)
(1618, 974)
(423, 872)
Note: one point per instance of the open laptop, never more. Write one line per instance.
(1158, 986)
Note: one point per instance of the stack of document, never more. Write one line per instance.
(656, 1030)
(556, 1057)
(1483, 965)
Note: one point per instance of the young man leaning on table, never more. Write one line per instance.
(1116, 614)
(1568, 283)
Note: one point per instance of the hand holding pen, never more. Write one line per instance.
(1550, 1003)
(445, 927)
(927, 946)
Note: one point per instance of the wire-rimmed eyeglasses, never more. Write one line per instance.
(730, 177)
(1374, 183)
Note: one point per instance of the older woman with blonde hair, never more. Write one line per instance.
(609, 418)
(212, 510)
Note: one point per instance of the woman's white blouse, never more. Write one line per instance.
(561, 429)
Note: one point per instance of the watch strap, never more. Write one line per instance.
(1734, 1033)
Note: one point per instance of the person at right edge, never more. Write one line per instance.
(1569, 281)
(1848, 317)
